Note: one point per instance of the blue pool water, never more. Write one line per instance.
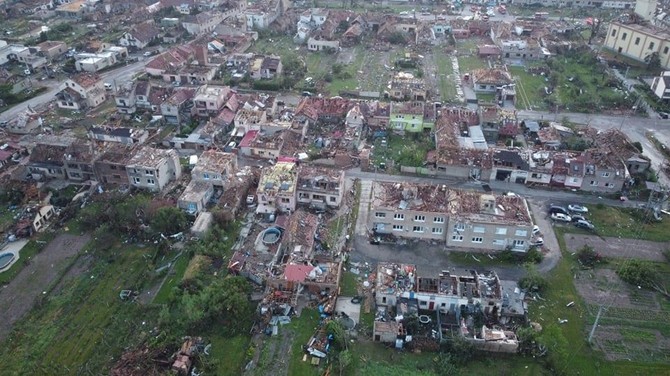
(5, 259)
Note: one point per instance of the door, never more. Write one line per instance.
(431, 306)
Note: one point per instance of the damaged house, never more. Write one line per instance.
(277, 188)
(80, 92)
(320, 187)
(152, 169)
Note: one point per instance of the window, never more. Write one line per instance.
(205, 176)
(398, 228)
(303, 195)
(614, 33)
(623, 36)
(501, 231)
(419, 218)
(285, 200)
(136, 180)
(151, 182)
(457, 238)
(438, 219)
(521, 233)
(606, 174)
(609, 185)
(417, 229)
(665, 50)
(498, 242)
(423, 303)
(112, 167)
(519, 243)
(637, 41)
(651, 45)
(477, 239)
(149, 172)
(437, 230)
(332, 199)
(398, 216)
(380, 215)
(479, 229)
(594, 183)
(459, 227)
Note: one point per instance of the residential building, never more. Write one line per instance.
(202, 23)
(489, 80)
(195, 197)
(81, 91)
(277, 188)
(464, 219)
(261, 14)
(661, 86)
(110, 166)
(79, 158)
(320, 187)
(93, 62)
(140, 35)
(262, 144)
(170, 60)
(215, 167)
(209, 99)
(407, 116)
(639, 41)
(153, 169)
(191, 74)
(52, 49)
(74, 9)
(404, 86)
(178, 108)
(265, 67)
(121, 135)
(314, 44)
(46, 159)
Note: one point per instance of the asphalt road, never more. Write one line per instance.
(122, 74)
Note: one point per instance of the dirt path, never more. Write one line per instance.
(18, 297)
(618, 248)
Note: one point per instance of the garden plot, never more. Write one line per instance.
(633, 324)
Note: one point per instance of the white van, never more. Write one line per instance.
(108, 86)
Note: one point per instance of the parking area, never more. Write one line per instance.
(618, 248)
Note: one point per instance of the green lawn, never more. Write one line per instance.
(349, 284)
(173, 279)
(409, 150)
(467, 64)
(626, 223)
(532, 87)
(445, 71)
(352, 69)
(228, 353)
(304, 327)
(82, 328)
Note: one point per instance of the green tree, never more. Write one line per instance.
(533, 280)
(227, 300)
(396, 38)
(169, 220)
(588, 257)
(335, 328)
(641, 274)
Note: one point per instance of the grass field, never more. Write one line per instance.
(580, 358)
(405, 151)
(467, 64)
(532, 86)
(626, 223)
(85, 326)
(303, 327)
(445, 71)
(173, 279)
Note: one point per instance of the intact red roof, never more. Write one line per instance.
(297, 273)
(248, 138)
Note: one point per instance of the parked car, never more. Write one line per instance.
(560, 217)
(577, 217)
(586, 225)
(578, 208)
(539, 242)
(557, 209)
(536, 229)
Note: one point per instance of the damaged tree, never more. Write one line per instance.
(595, 28)
(641, 274)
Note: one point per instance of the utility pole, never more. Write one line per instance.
(595, 324)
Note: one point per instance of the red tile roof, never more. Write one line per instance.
(297, 273)
(248, 138)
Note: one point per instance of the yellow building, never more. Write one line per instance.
(639, 41)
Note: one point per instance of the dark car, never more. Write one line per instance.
(577, 217)
(553, 209)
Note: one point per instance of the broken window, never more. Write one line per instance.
(397, 228)
(438, 219)
(501, 231)
(479, 229)
(521, 233)
(380, 215)
(477, 239)
(457, 238)
(437, 230)
(419, 218)
(418, 229)
(398, 216)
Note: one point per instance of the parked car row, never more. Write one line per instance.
(574, 214)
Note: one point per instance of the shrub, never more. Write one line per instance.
(588, 257)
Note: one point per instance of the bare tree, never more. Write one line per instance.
(595, 28)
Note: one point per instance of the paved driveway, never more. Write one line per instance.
(553, 251)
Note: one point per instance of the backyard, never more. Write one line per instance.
(408, 151)
(626, 223)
